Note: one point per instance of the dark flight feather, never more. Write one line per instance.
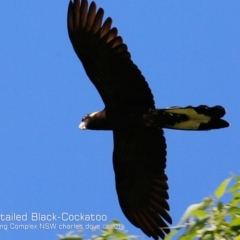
(139, 155)
(105, 58)
(139, 159)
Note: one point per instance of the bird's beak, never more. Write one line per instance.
(82, 126)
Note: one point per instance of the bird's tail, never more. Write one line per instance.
(188, 118)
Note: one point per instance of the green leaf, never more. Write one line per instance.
(207, 202)
(200, 213)
(189, 211)
(208, 235)
(234, 188)
(222, 188)
(185, 237)
(237, 178)
(234, 210)
(220, 206)
(235, 222)
(195, 227)
(171, 234)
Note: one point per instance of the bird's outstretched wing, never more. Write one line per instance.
(139, 159)
(105, 57)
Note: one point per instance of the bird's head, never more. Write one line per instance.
(95, 121)
(88, 121)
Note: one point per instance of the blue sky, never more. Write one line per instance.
(189, 53)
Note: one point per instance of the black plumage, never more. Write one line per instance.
(139, 155)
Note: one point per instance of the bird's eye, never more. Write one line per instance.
(84, 118)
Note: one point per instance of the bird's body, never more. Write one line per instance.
(139, 155)
(188, 118)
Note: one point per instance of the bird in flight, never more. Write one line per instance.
(139, 155)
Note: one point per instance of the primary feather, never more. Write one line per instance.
(105, 57)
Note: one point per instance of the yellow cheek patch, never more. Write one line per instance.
(92, 114)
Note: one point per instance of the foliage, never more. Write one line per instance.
(212, 219)
(208, 220)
